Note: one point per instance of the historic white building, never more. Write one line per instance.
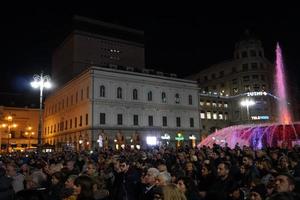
(104, 107)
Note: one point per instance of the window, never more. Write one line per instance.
(255, 77)
(205, 78)
(87, 92)
(214, 104)
(135, 94)
(165, 121)
(220, 104)
(233, 70)
(235, 90)
(71, 99)
(256, 87)
(262, 77)
(208, 115)
(190, 100)
(178, 122)
(245, 67)
(150, 120)
(247, 88)
(191, 122)
(119, 119)
(201, 103)
(163, 97)
(81, 94)
(54, 128)
(254, 66)
(80, 121)
(202, 114)
(71, 123)
(262, 66)
(76, 98)
(220, 115)
(135, 120)
(226, 116)
(260, 54)
(177, 98)
(102, 91)
(246, 78)
(208, 103)
(213, 76)
(234, 81)
(149, 96)
(225, 105)
(119, 93)
(75, 122)
(215, 116)
(244, 54)
(86, 119)
(252, 53)
(102, 118)
(66, 126)
(221, 74)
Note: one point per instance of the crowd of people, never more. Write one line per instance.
(158, 173)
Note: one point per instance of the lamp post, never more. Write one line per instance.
(28, 134)
(246, 103)
(41, 81)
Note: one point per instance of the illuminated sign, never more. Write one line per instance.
(256, 94)
(165, 136)
(264, 117)
(179, 137)
(192, 137)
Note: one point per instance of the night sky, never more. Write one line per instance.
(181, 40)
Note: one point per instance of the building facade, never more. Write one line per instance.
(112, 107)
(19, 128)
(246, 78)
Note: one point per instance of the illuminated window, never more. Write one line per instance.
(226, 116)
(201, 103)
(220, 115)
(225, 105)
(208, 103)
(215, 116)
(202, 115)
(220, 104)
(214, 104)
(208, 115)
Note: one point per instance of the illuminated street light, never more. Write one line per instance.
(41, 81)
(247, 103)
(29, 134)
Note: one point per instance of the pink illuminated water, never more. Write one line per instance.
(283, 133)
(280, 89)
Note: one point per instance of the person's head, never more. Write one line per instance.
(57, 177)
(163, 178)
(185, 184)
(83, 187)
(70, 181)
(91, 168)
(247, 160)
(70, 164)
(124, 165)
(151, 175)
(264, 165)
(206, 169)
(189, 166)
(162, 167)
(242, 169)
(283, 162)
(171, 192)
(284, 183)
(223, 170)
(11, 169)
(258, 192)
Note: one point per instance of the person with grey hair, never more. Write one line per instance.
(163, 178)
(150, 184)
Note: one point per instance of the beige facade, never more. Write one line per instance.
(230, 82)
(19, 127)
(121, 107)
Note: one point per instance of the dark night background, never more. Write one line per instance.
(182, 40)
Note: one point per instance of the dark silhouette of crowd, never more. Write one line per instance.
(158, 173)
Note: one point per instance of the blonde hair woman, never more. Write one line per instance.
(171, 192)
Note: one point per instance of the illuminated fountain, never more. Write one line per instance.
(284, 133)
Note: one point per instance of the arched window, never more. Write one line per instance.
(102, 91)
(150, 96)
(163, 97)
(190, 100)
(119, 93)
(177, 98)
(135, 94)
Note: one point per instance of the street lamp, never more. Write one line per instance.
(41, 81)
(246, 103)
(9, 126)
(28, 134)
